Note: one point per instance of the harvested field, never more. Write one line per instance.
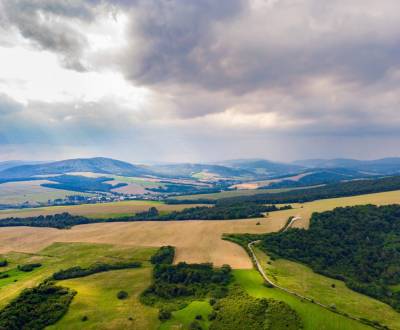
(196, 241)
(101, 210)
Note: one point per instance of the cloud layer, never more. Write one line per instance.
(269, 78)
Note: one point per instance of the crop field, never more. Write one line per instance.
(99, 210)
(30, 191)
(301, 279)
(196, 241)
(313, 316)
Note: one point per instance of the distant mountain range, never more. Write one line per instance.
(312, 171)
(382, 166)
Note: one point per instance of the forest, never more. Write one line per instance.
(341, 189)
(359, 245)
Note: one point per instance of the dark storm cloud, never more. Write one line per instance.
(184, 42)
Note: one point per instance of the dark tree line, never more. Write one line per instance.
(236, 211)
(342, 189)
(359, 245)
(66, 220)
(78, 271)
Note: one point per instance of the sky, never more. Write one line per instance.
(199, 80)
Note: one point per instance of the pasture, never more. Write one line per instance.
(301, 279)
(61, 256)
(31, 191)
(313, 316)
(97, 300)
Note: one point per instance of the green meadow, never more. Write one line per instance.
(301, 279)
(313, 316)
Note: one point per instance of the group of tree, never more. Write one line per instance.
(66, 220)
(36, 308)
(238, 310)
(164, 255)
(99, 267)
(29, 267)
(60, 221)
(359, 245)
(183, 280)
(218, 212)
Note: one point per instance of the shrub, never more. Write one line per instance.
(29, 267)
(122, 295)
(195, 326)
(4, 276)
(164, 315)
(199, 317)
(84, 318)
(3, 263)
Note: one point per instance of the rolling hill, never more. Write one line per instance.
(96, 165)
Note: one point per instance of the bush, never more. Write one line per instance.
(4, 275)
(3, 263)
(29, 267)
(164, 315)
(199, 317)
(84, 318)
(122, 295)
(212, 301)
(195, 326)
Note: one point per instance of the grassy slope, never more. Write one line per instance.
(31, 191)
(58, 256)
(97, 299)
(182, 318)
(301, 279)
(313, 316)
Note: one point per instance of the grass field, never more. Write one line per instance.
(301, 279)
(313, 316)
(58, 256)
(99, 210)
(182, 318)
(31, 191)
(97, 300)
